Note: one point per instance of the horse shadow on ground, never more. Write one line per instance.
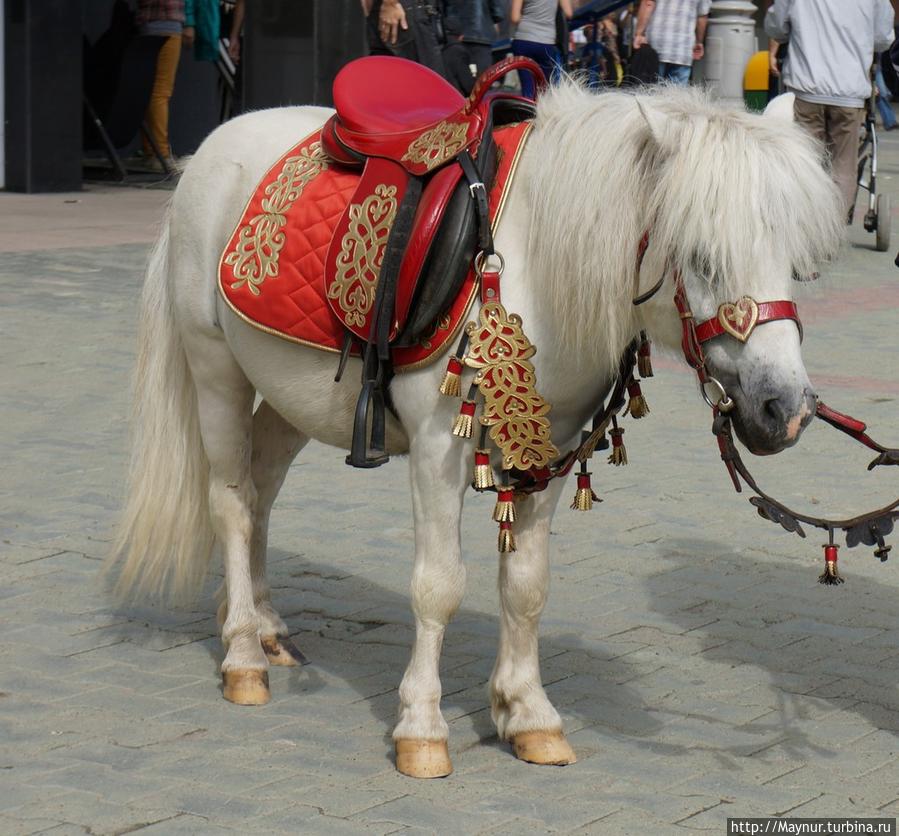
(819, 650)
(803, 644)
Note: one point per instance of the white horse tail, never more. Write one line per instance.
(165, 535)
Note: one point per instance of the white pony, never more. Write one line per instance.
(736, 202)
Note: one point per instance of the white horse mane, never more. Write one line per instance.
(722, 192)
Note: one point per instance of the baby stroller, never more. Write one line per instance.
(877, 219)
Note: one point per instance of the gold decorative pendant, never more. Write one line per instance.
(513, 409)
(739, 318)
(362, 252)
(255, 256)
(439, 144)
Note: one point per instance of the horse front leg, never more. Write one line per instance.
(439, 478)
(521, 710)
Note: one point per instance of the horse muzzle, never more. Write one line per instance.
(772, 419)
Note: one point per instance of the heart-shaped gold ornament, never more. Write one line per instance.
(739, 318)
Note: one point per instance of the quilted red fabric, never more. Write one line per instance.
(272, 270)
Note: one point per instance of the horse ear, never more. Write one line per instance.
(781, 107)
(657, 121)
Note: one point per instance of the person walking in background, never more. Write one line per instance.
(883, 98)
(410, 29)
(675, 29)
(478, 21)
(238, 13)
(535, 36)
(163, 19)
(831, 48)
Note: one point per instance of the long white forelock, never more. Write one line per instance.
(719, 186)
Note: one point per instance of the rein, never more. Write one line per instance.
(738, 320)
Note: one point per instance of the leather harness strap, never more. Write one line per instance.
(767, 312)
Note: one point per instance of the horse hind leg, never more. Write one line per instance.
(275, 445)
(521, 710)
(225, 402)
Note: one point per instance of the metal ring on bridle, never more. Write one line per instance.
(723, 403)
(481, 259)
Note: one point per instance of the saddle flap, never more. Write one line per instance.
(429, 218)
(357, 248)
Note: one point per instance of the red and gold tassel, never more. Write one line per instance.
(584, 496)
(619, 452)
(463, 426)
(506, 541)
(636, 406)
(483, 471)
(644, 356)
(452, 380)
(504, 510)
(831, 575)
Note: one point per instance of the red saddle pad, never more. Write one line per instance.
(272, 270)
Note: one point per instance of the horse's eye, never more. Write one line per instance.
(700, 264)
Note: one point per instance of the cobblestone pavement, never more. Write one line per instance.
(700, 669)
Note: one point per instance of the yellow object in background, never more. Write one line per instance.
(756, 81)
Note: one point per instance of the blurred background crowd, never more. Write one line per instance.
(158, 75)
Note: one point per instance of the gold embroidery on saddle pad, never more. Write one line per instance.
(255, 256)
(362, 253)
(437, 145)
(514, 410)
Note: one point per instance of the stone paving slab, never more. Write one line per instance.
(700, 670)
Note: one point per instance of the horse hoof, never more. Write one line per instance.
(547, 748)
(246, 687)
(423, 758)
(280, 650)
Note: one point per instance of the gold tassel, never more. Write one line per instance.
(463, 426)
(644, 356)
(619, 452)
(483, 472)
(584, 496)
(506, 542)
(831, 575)
(504, 510)
(636, 406)
(452, 380)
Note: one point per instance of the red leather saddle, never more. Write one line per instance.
(406, 125)
(420, 213)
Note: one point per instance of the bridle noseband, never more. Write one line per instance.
(736, 319)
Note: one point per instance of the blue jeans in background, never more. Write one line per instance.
(883, 100)
(675, 73)
(546, 56)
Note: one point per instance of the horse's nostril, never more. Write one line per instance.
(774, 410)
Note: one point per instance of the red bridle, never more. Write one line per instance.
(736, 319)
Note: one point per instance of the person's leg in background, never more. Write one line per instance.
(547, 58)
(157, 116)
(674, 73)
(843, 124)
(481, 55)
(883, 101)
(527, 49)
